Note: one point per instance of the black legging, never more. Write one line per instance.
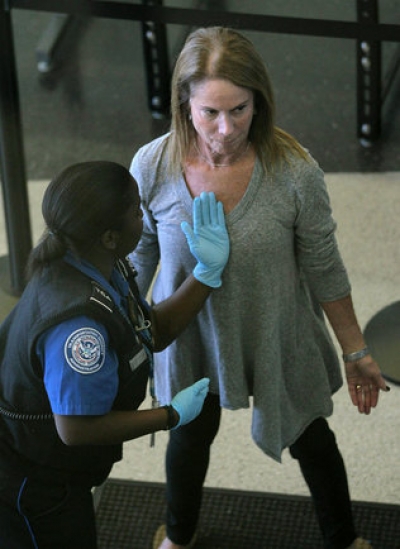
(187, 460)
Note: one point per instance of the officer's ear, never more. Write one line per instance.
(110, 238)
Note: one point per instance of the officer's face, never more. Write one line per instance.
(133, 225)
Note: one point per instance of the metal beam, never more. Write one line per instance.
(12, 159)
(200, 17)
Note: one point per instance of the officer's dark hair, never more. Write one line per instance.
(79, 205)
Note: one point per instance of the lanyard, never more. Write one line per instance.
(132, 310)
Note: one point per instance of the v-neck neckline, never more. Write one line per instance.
(241, 207)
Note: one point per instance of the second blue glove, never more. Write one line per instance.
(189, 402)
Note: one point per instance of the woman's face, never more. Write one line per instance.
(221, 114)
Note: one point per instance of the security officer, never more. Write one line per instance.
(76, 353)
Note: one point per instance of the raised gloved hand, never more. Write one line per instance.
(208, 240)
(189, 402)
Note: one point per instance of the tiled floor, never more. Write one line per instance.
(94, 106)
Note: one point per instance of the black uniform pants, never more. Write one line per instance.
(40, 514)
(316, 450)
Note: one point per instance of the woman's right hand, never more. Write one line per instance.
(189, 402)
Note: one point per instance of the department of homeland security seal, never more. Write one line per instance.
(84, 350)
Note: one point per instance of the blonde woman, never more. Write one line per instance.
(262, 334)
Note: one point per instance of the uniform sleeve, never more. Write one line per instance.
(316, 244)
(80, 367)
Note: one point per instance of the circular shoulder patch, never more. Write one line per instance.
(84, 350)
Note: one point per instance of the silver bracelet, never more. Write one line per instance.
(357, 355)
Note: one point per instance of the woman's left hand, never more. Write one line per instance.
(364, 381)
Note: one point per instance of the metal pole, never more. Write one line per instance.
(369, 75)
(155, 48)
(12, 161)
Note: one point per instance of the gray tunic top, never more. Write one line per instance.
(261, 334)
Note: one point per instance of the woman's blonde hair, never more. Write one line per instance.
(218, 52)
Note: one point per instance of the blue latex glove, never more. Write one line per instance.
(208, 240)
(189, 402)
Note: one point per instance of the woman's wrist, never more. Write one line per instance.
(356, 355)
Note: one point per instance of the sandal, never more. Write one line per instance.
(360, 543)
(161, 534)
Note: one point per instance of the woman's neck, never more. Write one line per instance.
(215, 160)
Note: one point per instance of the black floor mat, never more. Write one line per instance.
(129, 513)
